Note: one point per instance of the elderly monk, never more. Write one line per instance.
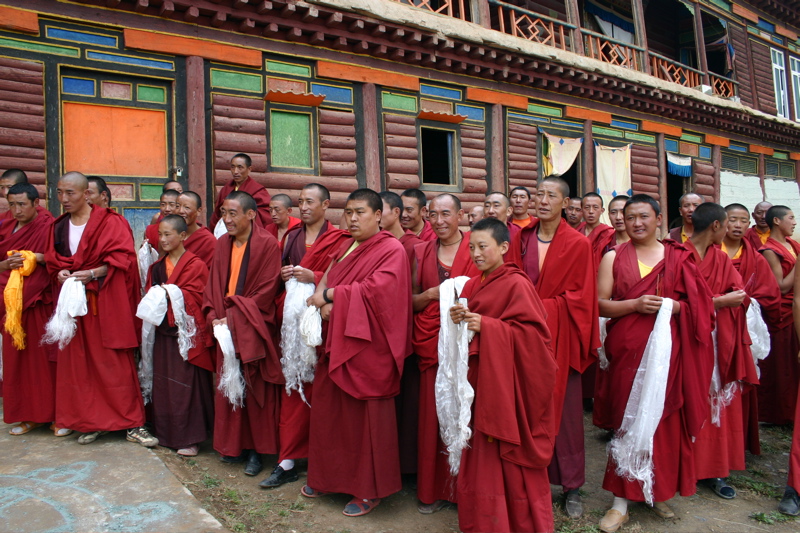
(280, 210)
(199, 239)
(475, 214)
(415, 214)
(757, 235)
(97, 389)
(633, 281)
(520, 204)
(241, 292)
(446, 257)
(241, 165)
(573, 213)
(780, 372)
(353, 437)
(29, 370)
(720, 446)
(559, 261)
(182, 399)
(99, 193)
(686, 206)
(503, 483)
(790, 503)
(761, 286)
(306, 256)
(169, 206)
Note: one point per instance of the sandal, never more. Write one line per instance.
(308, 492)
(720, 488)
(189, 451)
(60, 432)
(24, 427)
(359, 507)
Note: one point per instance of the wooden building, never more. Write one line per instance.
(465, 96)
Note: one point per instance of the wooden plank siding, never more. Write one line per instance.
(738, 38)
(703, 179)
(644, 170)
(764, 86)
(522, 158)
(401, 162)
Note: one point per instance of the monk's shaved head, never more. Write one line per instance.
(563, 186)
(495, 228)
(283, 199)
(78, 180)
(501, 196)
(733, 207)
(177, 222)
(445, 197)
(198, 203)
(706, 214)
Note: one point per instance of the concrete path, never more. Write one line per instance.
(50, 484)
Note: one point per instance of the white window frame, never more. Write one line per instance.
(795, 66)
(779, 81)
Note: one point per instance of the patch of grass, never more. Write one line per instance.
(210, 481)
(234, 496)
(762, 488)
(238, 527)
(577, 528)
(191, 462)
(756, 472)
(261, 512)
(773, 517)
(298, 505)
(284, 512)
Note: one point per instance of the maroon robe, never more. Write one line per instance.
(252, 321)
(151, 234)
(686, 406)
(30, 373)
(718, 450)
(427, 233)
(780, 371)
(202, 243)
(273, 230)
(254, 189)
(434, 481)
(97, 388)
(753, 238)
(353, 436)
(182, 402)
(409, 242)
(503, 483)
(599, 238)
(675, 234)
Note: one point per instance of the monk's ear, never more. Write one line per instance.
(251, 215)
(504, 247)
(326, 204)
(424, 211)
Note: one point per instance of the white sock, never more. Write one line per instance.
(621, 505)
(287, 464)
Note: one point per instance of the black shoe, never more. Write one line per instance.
(278, 477)
(253, 466)
(790, 504)
(234, 459)
(573, 504)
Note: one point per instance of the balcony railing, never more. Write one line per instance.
(451, 8)
(669, 70)
(611, 51)
(724, 87)
(520, 22)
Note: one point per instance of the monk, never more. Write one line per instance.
(790, 503)
(99, 193)
(241, 165)
(9, 178)
(170, 185)
(182, 401)
(497, 205)
(390, 221)
(446, 257)
(29, 370)
(757, 235)
(616, 215)
(415, 214)
(241, 292)
(169, 205)
(597, 232)
(633, 281)
(475, 215)
(573, 213)
(97, 389)
(353, 437)
(306, 256)
(780, 372)
(199, 239)
(686, 206)
(761, 286)
(280, 210)
(502, 483)
(559, 261)
(520, 204)
(719, 447)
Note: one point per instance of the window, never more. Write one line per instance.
(779, 79)
(290, 145)
(795, 63)
(438, 163)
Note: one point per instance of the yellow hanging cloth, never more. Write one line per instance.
(12, 295)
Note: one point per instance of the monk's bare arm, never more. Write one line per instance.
(647, 304)
(785, 284)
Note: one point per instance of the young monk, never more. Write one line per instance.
(687, 204)
(182, 402)
(241, 291)
(415, 214)
(598, 233)
(719, 446)
(790, 503)
(757, 235)
(390, 221)
(280, 210)
(170, 185)
(559, 261)
(446, 257)
(353, 436)
(633, 281)
(520, 198)
(780, 372)
(573, 214)
(503, 483)
(169, 204)
(199, 239)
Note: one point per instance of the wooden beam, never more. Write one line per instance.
(763, 150)
(344, 71)
(187, 46)
(19, 20)
(661, 155)
(496, 145)
(641, 33)
(657, 127)
(717, 141)
(371, 136)
(196, 134)
(588, 114)
(494, 97)
(700, 44)
(588, 179)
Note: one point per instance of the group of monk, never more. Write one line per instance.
(400, 344)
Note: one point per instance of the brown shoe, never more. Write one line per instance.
(663, 510)
(613, 520)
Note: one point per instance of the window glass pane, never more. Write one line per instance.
(290, 139)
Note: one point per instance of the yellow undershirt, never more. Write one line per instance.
(762, 236)
(644, 270)
(352, 247)
(684, 238)
(738, 253)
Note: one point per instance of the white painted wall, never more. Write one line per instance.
(738, 188)
(782, 192)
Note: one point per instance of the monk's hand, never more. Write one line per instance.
(219, 322)
(62, 276)
(316, 300)
(473, 321)
(325, 311)
(303, 275)
(732, 299)
(14, 261)
(648, 304)
(433, 293)
(457, 313)
(84, 276)
(287, 272)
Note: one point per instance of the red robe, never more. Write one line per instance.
(427, 233)
(760, 284)
(202, 243)
(182, 407)
(273, 230)
(599, 239)
(97, 388)
(434, 481)
(254, 189)
(353, 436)
(686, 406)
(780, 371)
(409, 242)
(251, 315)
(503, 483)
(151, 234)
(753, 238)
(29, 374)
(718, 450)
(675, 234)
(295, 413)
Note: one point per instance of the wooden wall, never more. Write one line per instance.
(523, 164)
(764, 86)
(738, 39)
(644, 170)
(703, 176)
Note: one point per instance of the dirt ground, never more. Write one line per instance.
(238, 502)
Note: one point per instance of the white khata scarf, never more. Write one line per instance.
(454, 394)
(220, 229)
(147, 257)
(759, 334)
(300, 321)
(231, 380)
(632, 446)
(152, 310)
(62, 325)
(718, 396)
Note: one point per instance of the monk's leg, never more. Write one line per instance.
(568, 466)
(434, 482)
(407, 408)
(790, 503)
(293, 430)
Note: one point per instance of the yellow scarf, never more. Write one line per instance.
(12, 295)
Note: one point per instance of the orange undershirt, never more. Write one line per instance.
(738, 253)
(762, 236)
(522, 222)
(237, 254)
(169, 265)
